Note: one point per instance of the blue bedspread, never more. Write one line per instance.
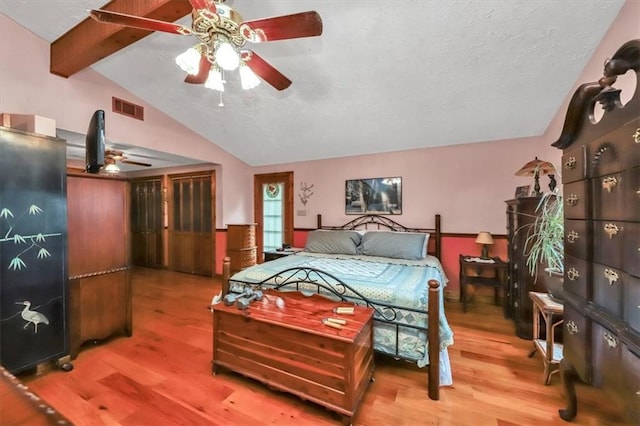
(390, 281)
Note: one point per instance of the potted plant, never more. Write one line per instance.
(544, 245)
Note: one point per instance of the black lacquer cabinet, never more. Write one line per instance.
(33, 249)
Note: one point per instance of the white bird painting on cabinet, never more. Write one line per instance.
(32, 317)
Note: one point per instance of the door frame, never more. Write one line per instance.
(258, 181)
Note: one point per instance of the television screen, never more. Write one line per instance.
(94, 142)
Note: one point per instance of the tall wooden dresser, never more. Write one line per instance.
(241, 245)
(520, 213)
(601, 177)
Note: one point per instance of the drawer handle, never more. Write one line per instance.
(611, 229)
(612, 341)
(572, 328)
(611, 276)
(572, 200)
(609, 183)
(572, 236)
(570, 163)
(636, 135)
(573, 274)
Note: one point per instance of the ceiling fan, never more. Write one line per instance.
(222, 36)
(113, 156)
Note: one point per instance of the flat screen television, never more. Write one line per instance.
(94, 142)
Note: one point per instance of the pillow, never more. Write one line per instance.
(397, 245)
(333, 242)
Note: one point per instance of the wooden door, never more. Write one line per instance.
(192, 223)
(269, 185)
(146, 222)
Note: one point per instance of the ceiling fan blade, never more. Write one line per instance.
(203, 6)
(203, 72)
(305, 24)
(139, 22)
(136, 163)
(265, 71)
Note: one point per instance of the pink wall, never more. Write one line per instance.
(27, 87)
(467, 184)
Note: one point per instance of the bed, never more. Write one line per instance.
(372, 260)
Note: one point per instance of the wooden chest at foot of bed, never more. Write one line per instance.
(290, 348)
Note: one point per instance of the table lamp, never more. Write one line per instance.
(537, 168)
(485, 239)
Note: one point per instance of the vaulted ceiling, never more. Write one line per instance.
(384, 75)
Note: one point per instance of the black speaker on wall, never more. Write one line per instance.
(94, 143)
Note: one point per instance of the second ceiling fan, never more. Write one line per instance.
(222, 36)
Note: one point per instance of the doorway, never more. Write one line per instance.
(192, 223)
(273, 211)
(147, 246)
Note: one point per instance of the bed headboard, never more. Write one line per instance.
(374, 221)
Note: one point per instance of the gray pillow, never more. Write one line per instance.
(333, 242)
(397, 245)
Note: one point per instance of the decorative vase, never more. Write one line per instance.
(553, 281)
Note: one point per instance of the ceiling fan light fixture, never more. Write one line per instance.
(248, 78)
(189, 61)
(227, 57)
(111, 167)
(214, 81)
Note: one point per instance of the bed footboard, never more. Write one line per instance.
(302, 279)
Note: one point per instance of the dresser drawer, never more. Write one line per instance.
(631, 302)
(576, 335)
(631, 394)
(613, 152)
(608, 283)
(631, 146)
(576, 276)
(573, 165)
(608, 242)
(608, 196)
(607, 357)
(632, 249)
(631, 194)
(576, 201)
(576, 238)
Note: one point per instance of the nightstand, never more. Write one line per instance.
(478, 271)
(276, 254)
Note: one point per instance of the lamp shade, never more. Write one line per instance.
(227, 57)
(484, 237)
(540, 166)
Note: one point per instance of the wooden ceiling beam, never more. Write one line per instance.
(90, 40)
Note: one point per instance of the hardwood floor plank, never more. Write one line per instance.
(162, 375)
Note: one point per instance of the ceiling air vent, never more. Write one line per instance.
(127, 108)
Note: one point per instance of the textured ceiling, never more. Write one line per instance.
(384, 76)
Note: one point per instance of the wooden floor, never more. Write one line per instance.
(162, 375)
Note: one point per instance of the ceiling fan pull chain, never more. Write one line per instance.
(221, 104)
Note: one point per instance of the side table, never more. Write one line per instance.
(275, 254)
(477, 271)
(550, 311)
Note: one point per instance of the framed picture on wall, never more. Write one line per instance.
(522, 191)
(374, 196)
